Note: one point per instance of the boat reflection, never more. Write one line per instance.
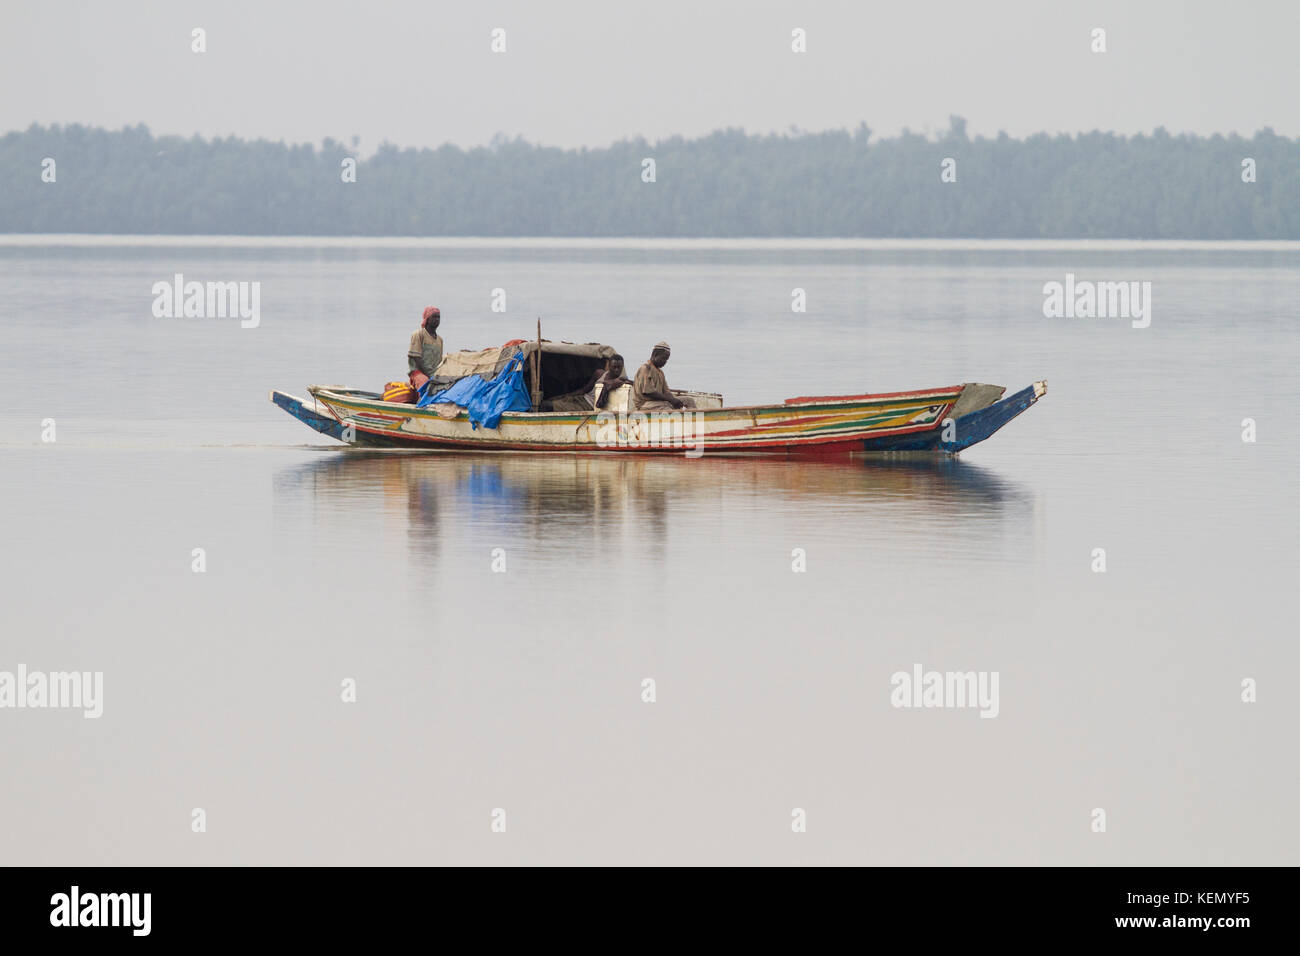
(566, 500)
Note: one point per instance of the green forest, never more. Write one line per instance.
(844, 183)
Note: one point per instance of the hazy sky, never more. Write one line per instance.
(588, 73)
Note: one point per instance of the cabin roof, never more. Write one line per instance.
(488, 362)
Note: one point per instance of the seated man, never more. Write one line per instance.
(425, 353)
(595, 394)
(650, 391)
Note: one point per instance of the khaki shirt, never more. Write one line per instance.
(425, 353)
(648, 379)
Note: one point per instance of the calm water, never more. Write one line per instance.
(522, 690)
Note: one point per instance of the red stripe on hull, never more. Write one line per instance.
(792, 446)
(946, 393)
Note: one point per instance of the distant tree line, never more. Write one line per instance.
(835, 184)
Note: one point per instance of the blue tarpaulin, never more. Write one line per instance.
(486, 400)
(458, 394)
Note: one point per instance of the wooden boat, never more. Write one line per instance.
(930, 421)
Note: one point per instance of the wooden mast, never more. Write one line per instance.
(537, 368)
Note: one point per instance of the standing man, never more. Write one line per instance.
(650, 390)
(425, 354)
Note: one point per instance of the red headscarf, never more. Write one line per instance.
(429, 313)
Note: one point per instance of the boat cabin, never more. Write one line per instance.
(552, 369)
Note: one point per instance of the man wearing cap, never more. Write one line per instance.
(425, 354)
(650, 390)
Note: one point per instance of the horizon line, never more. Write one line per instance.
(198, 240)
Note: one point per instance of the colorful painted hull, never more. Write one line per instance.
(936, 421)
